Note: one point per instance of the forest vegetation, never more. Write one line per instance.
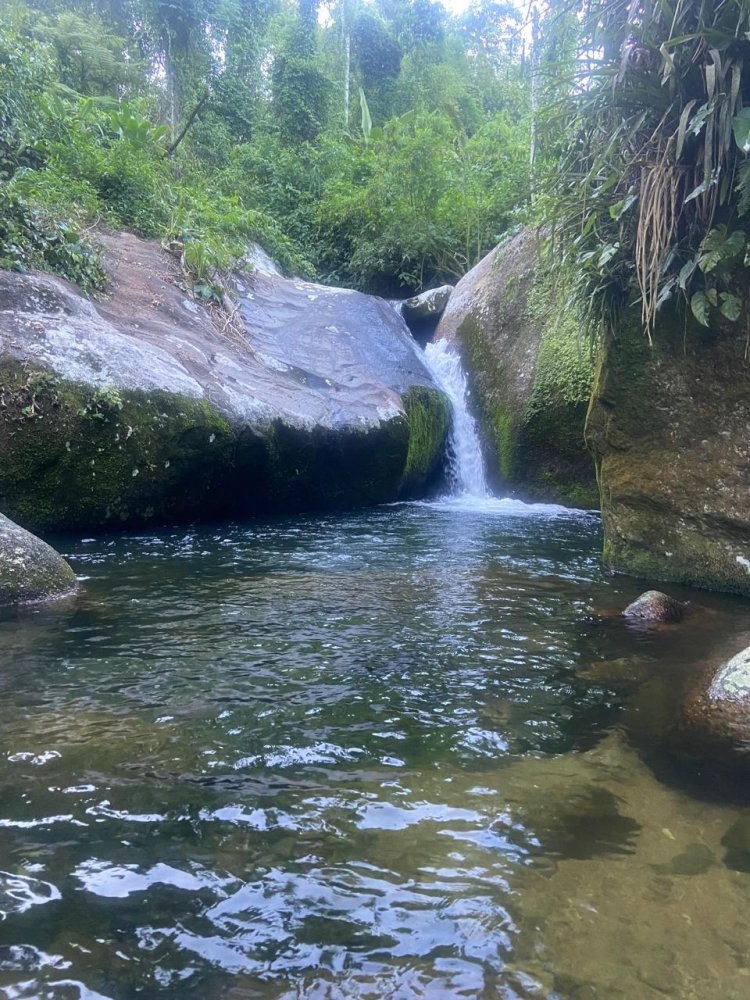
(383, 146)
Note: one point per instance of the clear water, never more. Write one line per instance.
(393, 754)
(466, 465)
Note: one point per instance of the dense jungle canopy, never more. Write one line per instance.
(384, 145)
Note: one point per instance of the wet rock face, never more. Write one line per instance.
(30, 570)
(669, 426)
(716, 714)
(529, 376)
(139, 409)
(654, 606)
(430, 304)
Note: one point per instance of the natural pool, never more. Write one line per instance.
(360, 756)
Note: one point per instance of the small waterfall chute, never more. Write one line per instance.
(466, 468)
(469, 489)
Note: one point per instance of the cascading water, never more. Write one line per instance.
(466, 462)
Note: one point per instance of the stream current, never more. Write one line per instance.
(389, 754)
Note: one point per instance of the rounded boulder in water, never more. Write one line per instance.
(715, 715)
(654, 606)
(30, 570)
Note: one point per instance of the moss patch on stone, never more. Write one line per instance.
(428, 416)
(73, 456)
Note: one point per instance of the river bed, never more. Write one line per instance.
(372, 755)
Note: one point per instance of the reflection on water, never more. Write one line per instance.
(390, 754)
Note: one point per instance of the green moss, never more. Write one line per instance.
(73, 456)
(489, 395)
(331, 467)
(428, 415)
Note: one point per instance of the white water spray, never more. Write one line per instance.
(466, 463)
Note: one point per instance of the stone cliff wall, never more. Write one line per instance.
(669, 426)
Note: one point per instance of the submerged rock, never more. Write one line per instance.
(716, 713)
(654, 606)
(139, 409)
(529, 375)
(669, 426)
(30, 570)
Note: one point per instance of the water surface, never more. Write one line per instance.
(388, 754)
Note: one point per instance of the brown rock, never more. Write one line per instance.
(716, 712)
(654, 606)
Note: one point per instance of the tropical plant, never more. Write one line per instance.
(651, 203)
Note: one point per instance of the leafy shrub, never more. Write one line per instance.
(28, 240)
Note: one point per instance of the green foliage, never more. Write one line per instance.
(89, 56)
(26, 70)
(28, 240)
(651, 206)
(103, 404)
(93, 95)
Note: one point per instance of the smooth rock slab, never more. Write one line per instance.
(141, 409)
(30, 570)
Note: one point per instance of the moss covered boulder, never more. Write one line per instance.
(30, 570)
(529, 373)
(669, 426)
(142, 408)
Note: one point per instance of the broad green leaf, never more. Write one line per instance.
(686, 273)
(683, 127)
(608, 253)
(366, 120)
(730, 306)
(619, 209)
(699, 308)
(665, 293)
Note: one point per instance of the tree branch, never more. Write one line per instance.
(189, 121)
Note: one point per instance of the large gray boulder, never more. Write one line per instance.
(143, 408)
(30, 570)
(529, 374)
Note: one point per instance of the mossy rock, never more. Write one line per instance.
(669, 426)
(139, 410)
(30, 570)
(76, 458)
(428, 416)
(530, 375)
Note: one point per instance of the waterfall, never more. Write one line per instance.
(466, 468)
